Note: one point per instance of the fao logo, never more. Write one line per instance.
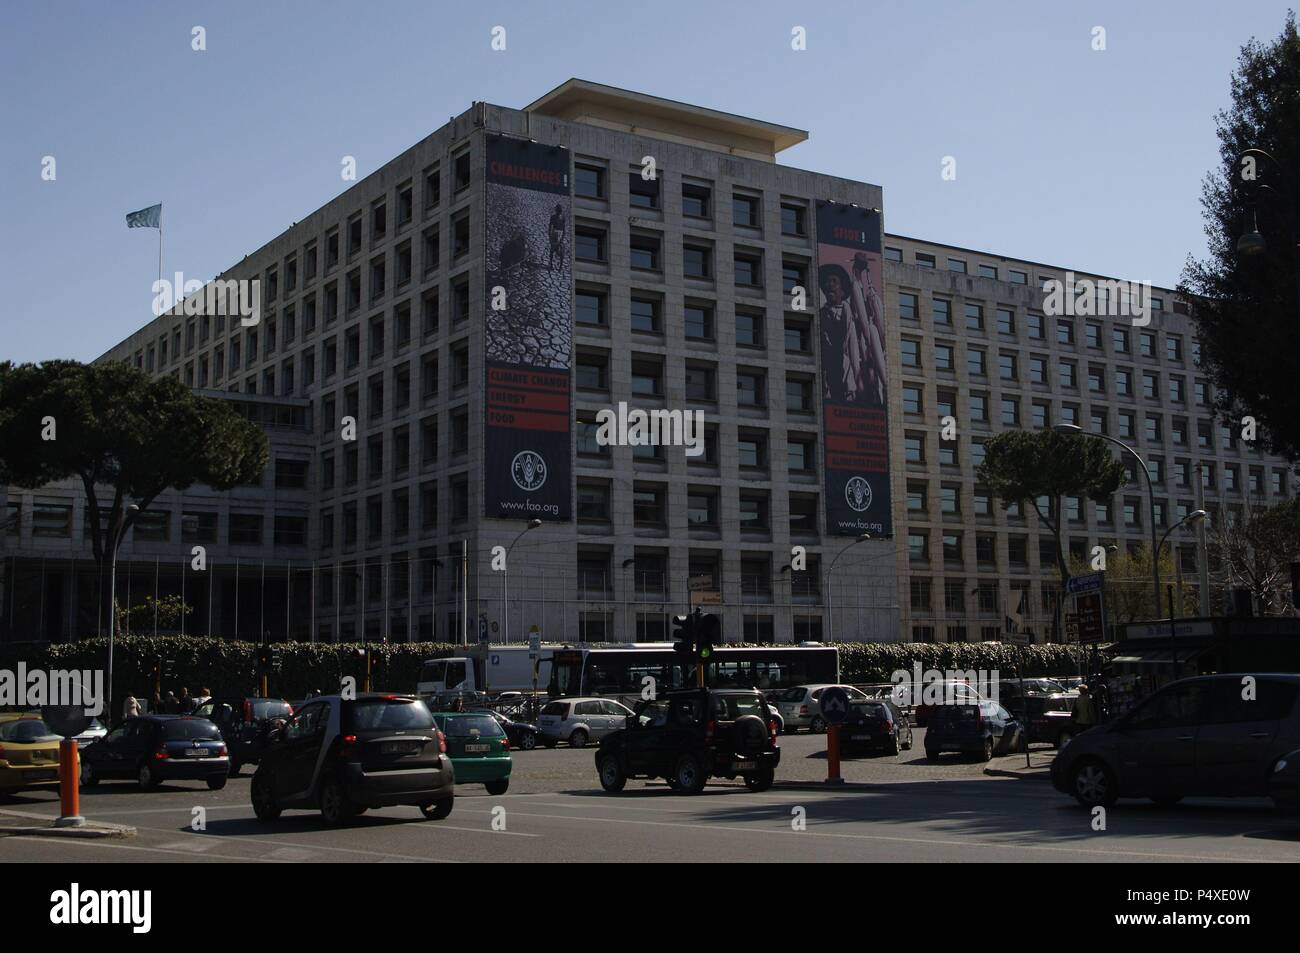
(858, 493)
(529, 470)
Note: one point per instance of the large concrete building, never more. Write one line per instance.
(375, 306)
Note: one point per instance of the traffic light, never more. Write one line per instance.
(684, 635)
(708, 633)
(265, 659)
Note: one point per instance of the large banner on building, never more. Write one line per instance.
(529, 331)
(851, 328)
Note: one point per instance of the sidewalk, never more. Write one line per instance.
(20, 824)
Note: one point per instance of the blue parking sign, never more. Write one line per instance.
(835, 705)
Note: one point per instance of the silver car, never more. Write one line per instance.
(579, 720)
(801, 707)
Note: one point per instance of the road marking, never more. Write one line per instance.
(281, 843)
(81, 842)
(899, 840)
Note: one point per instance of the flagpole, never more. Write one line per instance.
(160, 248)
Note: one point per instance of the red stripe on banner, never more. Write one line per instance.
(855, 420)
(854, 444)
(553, 423)
(524, 400)
(857, 463)
(524, 379)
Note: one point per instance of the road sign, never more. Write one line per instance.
(1092, 582)
(1071, 627)
(1021, 637)
(534, 643)
(835, 705)
(1091, 613)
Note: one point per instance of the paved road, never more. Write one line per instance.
(555, 811)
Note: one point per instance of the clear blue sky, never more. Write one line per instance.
(1086, 159)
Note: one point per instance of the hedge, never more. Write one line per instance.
(230, 668)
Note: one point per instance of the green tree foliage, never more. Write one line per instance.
(166, 611)
(1128, 584)
(117, 430)
(1026, 465)
(1247, 310)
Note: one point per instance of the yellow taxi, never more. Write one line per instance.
(29, 753)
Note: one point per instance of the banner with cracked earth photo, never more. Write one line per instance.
(528, 331)
(851, 326)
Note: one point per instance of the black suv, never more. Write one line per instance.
(689, 735)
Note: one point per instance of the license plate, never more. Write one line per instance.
(743, 766)
(197, 753)
(398, 747)
(41, 775)
(477, 749)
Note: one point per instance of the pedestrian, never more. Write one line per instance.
(169, 704)
(204, 696)
(185, 704)
(1085, 709)
(131, 708)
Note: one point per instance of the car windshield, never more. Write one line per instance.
(268, 708)
(792, 695)
(872, 709)
(956, 713)
(190, 729)
(26, 731)
(378, 714)
(472, 726)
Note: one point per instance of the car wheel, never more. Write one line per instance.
(987, 753)
(497, 787)
(88, 777)
(892, 747)
(612, 778)
(1063, 738)
(1093, 784)
(689, 775)
(759, 781)
(217, 783)
(263, 798)
(147, 778)
(529, 741)
(907, 746)
(438, 809)
(672, 783)
(818, 725)
(334, 806)
(578, 739)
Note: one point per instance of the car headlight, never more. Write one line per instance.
(1280, 766)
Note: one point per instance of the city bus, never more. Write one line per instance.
(621, 672)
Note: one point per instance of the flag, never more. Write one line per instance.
(1013, 619)
(150, 217)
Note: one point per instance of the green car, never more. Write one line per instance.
(478, 748)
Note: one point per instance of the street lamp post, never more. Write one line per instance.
(830, 606)
(1196, 516)
(1151, 498)
(505, 588)
(118, 532)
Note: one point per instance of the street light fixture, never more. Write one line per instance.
(1194, 517)
(830, 607)
(1151, 497)
(118, 533)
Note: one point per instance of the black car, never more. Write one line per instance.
(521, 734)
(981, 730)
(244, 724)
(875, 726)
(157, 748)
(1210, 736)
(1047, 719)
(689, 735)
(344, 756)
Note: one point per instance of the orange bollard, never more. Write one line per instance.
(69, 785)
(833, 755)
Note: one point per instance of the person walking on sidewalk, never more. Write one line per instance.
(1085, 710)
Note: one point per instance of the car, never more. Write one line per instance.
(1071, 683)
(94, 731)
(157, 748)
(689, 735)
(343, 756)
(773, 699)
(579, 720)
(800, 706)
(982, 729)
(875, 725)
(1284, 783)
(952, 692)
(522, 734)
(29, 754)
(478, 748)
(1208, 736)
(1047, 719)
(244, 723)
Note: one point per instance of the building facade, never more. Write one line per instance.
(687, 249)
